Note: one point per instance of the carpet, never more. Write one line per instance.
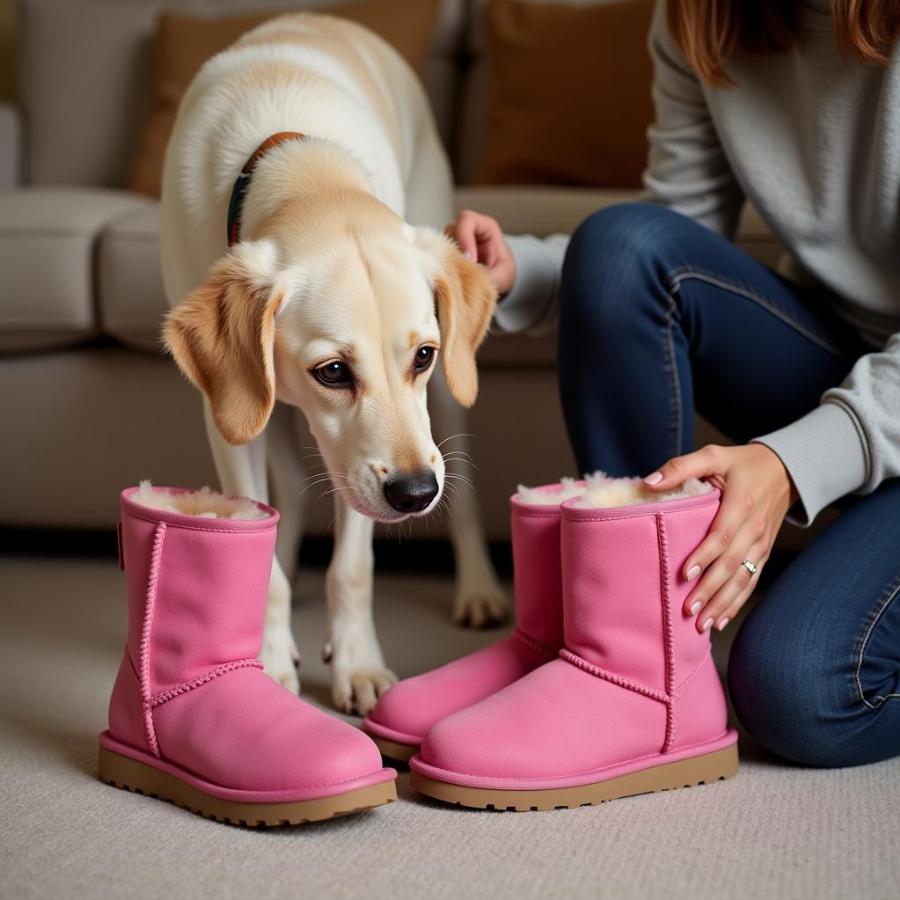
(773, 831)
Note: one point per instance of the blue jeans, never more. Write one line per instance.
(661, 317)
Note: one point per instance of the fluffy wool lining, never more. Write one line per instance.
(600, 490)
(605, 492)
(206, 503)
(565, 490)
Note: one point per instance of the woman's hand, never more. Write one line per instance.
(481, 239)
(756, 495)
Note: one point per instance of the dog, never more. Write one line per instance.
(310, 143)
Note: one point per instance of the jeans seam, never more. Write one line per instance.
(878, 700)
(684, 273)
(675, 379)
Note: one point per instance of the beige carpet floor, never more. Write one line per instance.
(773, 831)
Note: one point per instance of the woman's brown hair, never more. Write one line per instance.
(709, 31)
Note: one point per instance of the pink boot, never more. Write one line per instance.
(633, 705)
(407, 711)
(193, 718)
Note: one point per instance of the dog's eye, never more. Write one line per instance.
(423, 359)
(334, 374)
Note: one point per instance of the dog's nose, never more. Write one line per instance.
(410, 493)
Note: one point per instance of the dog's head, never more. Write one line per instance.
(346, 324)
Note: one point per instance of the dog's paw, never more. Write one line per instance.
(358, 691)
(280, 657)
(481, 608)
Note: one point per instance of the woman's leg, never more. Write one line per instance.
(815, 669)
(659, 316)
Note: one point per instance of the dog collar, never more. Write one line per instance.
(236, 203)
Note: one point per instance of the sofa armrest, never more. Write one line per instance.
(11, 149)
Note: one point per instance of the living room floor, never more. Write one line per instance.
(772, 831)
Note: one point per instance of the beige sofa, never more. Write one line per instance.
(87, 401)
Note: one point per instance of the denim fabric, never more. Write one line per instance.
(659, 318)
(815, 668)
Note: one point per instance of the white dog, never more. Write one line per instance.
(312, 140)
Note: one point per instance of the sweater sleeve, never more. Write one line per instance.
(531, 306)
(851, 441)
(687, 169)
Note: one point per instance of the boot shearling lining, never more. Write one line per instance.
(604, 492)
(206, 503)
(598, 491)
(550, 496)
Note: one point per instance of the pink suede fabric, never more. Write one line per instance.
(411, 707)
(635, 685)
(207, 566)
(609, 554)
(190, 696)
(542, 728)
(406, 712)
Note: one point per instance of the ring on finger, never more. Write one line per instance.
(751, 567)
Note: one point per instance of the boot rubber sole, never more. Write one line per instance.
(393, 749)
(132, 775)
(704, 769)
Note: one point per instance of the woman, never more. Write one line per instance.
(796, 107)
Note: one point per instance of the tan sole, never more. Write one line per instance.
(123, 772)
(684, 773)
(392, 750)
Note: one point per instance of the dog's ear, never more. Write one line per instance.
(465, 297)
(222, 338)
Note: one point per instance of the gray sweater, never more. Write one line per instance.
(813, 140)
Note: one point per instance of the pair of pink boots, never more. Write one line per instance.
(605, 689)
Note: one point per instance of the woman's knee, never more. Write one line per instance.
(607, 264)
(790, 702)
(769, 695)
(623, 229)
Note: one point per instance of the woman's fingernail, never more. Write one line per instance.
(708, 624)
(654, 478)
(469, 255)
(692, 572)
(695, 607)
(722, 623)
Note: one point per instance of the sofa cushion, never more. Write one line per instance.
(48, 238)
(130, 291)
(538, 209)
(559, 210)
(543, 210)
(184, 43)
(11, 134)
(132, 302)
(84, 78)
